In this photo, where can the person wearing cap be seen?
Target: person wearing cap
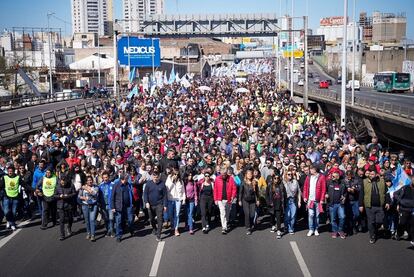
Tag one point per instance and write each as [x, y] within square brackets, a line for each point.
[64, 194]
[353, 186]
[372, 199]
[156, 201]
[46, 188]
[314, 191]
[104, 200]
[122, 206]
[225, 193]
[10, 191]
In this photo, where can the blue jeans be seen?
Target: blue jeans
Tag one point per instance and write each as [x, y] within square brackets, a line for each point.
[174, 207]
[313, 216]
[334, 211]
[190, 212]
[10, 208]
[352, 214]
[391, 220]
[109, 219]
[120, 217]
[89, 213]
[290, 214]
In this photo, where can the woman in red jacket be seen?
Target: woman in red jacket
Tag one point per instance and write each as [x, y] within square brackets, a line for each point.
[225, 192]
[314, 191]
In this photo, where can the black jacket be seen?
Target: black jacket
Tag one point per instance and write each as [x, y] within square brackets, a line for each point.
[271, 191]
[331, 190]
[247, 193]
[67, 201]
[405, 198]
[117, 199]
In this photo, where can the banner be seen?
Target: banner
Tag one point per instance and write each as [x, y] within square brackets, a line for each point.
[139, 52]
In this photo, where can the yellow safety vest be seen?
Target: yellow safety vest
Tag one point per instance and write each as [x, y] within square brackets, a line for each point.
[12, 186]
[48, 186]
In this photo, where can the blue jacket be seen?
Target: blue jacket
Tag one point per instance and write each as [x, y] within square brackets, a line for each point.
[37, 175]
[105, 194]
[117, 200]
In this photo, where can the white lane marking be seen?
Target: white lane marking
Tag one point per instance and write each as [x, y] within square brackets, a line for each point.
[157, 259]
[5, 240]
[299, 258]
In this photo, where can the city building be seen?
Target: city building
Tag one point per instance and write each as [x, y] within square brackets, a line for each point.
[366, 24]
[333, 30]
[388, 27]
[135, 11]
[92, 16]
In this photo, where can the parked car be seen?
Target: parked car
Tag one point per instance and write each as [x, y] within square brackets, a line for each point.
[301, 83]
[310, 61]
[316, 80]
[329, 82]
[323, 84]
[356, 85]
[310, 75]
[339, 80]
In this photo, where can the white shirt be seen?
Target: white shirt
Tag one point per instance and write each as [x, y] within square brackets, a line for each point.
[312, 187]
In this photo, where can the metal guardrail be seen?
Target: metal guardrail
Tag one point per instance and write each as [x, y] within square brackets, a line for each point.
[376, 105]
[26, 101]
[18, 128]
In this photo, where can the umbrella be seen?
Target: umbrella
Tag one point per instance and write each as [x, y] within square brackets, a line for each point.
[204, 88]
[242, 90]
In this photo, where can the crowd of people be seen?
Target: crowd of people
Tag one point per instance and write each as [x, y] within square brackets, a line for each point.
[179, 156]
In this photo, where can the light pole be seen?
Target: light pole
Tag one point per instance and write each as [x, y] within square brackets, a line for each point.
[344, 44]
[292, 45]
[115, 63]
[305, 94]
[99, 61]
[50, 54]
[188, 59]
[353, 56]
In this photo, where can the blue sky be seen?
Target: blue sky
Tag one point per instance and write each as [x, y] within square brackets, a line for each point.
[29, 13]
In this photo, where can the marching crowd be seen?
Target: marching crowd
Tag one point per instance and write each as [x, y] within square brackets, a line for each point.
[191, 154]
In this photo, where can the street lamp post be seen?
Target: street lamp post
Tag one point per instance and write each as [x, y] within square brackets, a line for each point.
[50, 54]
[344, 62]
[305, 94]
[99, 61]
[353, 57]
[188, 59]
[292, 46]
[115, 63]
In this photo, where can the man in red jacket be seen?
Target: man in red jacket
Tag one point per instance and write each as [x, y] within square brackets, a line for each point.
[314, 191]
[225, 192]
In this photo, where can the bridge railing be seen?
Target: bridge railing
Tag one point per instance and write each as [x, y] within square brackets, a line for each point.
[9, 103]
[373, 104]
[16, 129]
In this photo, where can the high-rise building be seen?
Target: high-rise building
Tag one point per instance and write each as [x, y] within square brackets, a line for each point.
[136, 10]
[366, 23]
[92, 16]
[388, 27]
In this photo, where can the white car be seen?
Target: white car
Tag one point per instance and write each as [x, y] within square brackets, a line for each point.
[356, 85]
[301, 83]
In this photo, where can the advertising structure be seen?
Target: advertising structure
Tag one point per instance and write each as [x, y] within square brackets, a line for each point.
[332, 21]
[139, 52]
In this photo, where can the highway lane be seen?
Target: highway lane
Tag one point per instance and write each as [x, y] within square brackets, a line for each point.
[33, 252]
[12, 115]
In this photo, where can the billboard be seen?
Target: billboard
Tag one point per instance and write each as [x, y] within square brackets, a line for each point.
[139, 52]
[297, 54]
[332, 21]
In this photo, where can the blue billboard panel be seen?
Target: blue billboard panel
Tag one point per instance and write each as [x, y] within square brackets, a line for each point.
[139, 52]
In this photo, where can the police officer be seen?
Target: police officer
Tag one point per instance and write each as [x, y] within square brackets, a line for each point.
[10, 192]
[46, 188]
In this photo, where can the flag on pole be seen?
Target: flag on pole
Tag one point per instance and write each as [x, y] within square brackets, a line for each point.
[132, 74]
[177, 77]
[165, 78]
[172, 76]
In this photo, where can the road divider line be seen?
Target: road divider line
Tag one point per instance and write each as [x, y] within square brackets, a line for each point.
[299, 258]
[5, 240]
[157, 259]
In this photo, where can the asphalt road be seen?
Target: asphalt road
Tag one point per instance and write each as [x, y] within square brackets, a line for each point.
[403, 99]
[12, 115]
[33, 252]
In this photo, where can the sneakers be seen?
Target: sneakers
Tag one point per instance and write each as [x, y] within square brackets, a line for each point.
[316, 233]
[207, 228]
[112, 234]
[68, 232]
[158, 239]
[278, 234]
[334, 235]
[62, 238]
[372, 240]
[291, 233]
[224, 232]
[204, 230]
[176, 233]
[191, 232]
[93, 239]
[273, 229]
[13, 228]
[88, 236]
[310, 233]
[342, 235]
[412, 243]
[8, 225]
[249, 232]
[118, 239]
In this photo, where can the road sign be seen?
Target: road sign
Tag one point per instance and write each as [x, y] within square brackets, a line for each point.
[139, 52]
[297, 54]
